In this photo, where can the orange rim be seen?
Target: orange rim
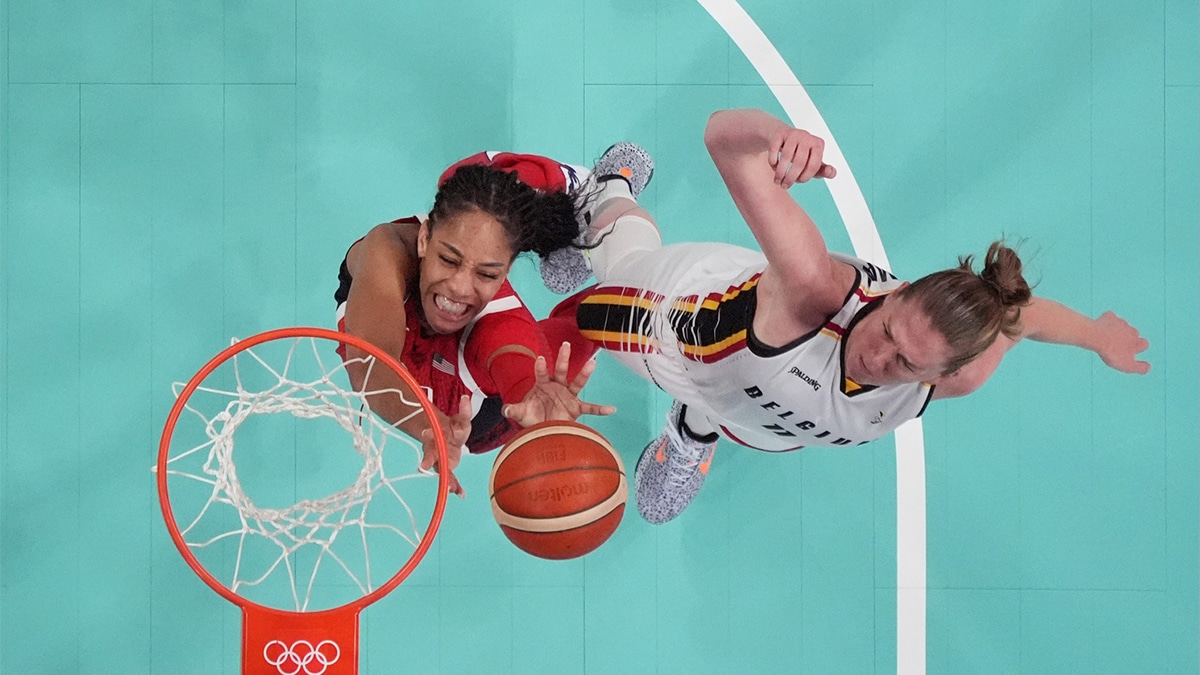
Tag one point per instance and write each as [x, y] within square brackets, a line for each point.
[301, 332]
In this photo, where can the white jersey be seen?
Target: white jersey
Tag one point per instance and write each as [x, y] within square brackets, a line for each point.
[686, 324]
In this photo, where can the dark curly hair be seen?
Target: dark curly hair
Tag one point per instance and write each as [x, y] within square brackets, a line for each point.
[971, 309]
[533, 220]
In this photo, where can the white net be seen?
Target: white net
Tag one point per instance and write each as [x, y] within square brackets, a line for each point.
[325, 478]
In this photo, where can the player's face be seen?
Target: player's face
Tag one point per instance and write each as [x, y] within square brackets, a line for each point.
[464, 260]
[894, 344]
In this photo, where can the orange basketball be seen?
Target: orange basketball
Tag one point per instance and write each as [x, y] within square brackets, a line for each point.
[558, 490]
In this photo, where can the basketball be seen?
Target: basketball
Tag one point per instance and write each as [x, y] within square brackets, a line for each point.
[558, 490]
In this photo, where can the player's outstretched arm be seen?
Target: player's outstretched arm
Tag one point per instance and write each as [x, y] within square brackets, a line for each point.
[1112, 339]
[759, 156]
[375, 312]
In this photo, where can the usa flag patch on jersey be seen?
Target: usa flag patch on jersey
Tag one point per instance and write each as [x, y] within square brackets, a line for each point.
[442, 364]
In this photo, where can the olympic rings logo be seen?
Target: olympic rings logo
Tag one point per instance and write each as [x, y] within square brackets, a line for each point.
[301, 655]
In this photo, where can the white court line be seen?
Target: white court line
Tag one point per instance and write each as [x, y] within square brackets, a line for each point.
[910, 437]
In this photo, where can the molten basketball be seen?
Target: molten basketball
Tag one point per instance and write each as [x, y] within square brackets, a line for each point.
[558, 490]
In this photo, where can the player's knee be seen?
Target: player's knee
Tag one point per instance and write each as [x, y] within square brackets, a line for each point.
[627, 237]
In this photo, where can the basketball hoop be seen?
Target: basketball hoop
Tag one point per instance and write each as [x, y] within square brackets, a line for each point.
[308, 552]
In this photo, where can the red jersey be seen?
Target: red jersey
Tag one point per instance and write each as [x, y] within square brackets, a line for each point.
[450, 365]
[454, 364]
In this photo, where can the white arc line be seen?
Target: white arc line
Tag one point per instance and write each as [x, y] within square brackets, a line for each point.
[910, 437]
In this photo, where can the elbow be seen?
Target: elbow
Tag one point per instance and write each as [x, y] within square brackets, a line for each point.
[716, 129]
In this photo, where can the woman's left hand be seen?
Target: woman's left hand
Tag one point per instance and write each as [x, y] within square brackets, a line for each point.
[1118, 344]
[556, 398]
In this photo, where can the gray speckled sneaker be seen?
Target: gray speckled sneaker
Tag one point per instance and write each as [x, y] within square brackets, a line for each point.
[568, 268]
[565, 270]
[628, 161]
[671, 470]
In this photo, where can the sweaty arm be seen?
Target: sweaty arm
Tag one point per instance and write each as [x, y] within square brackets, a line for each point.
[759, 156]
[381, 265]
[1112, 339]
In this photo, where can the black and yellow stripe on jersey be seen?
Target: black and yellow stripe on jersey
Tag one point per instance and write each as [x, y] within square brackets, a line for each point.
[619, 318]
[708, 328]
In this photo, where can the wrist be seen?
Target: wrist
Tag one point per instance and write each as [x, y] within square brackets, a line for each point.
[514, 375]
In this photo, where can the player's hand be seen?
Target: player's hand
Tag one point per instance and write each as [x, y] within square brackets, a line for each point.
[556, 398]
[1119, 343]
[796, 156]
[456, 429]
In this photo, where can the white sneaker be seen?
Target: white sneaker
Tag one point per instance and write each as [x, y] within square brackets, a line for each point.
[568, 268]
[671, 470]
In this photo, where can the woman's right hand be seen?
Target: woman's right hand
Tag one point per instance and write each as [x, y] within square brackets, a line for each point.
[456, 429]
[557, 397]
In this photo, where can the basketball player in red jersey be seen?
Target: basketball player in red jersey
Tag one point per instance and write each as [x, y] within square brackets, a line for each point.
[432, 290]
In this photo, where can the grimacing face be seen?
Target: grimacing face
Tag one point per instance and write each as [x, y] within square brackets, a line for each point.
[895, 344]
[464, 260]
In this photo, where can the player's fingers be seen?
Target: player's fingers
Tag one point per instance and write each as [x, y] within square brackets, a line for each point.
[809, 156]
[827, 171]
[786, 159]
[562, 363]
[775, 150]
[540, 372]
[464, 411]
[517, 412]
[456, 428]
[1128, 364]
[795, 171]
[801, 167]
[429, 453]
[456, 487]
[582, 377]
[812, 165]
[453, 486]
[596, 409]
[781, 171]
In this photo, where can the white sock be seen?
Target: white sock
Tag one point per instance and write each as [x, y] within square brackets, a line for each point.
[697, 428]
[613, 188]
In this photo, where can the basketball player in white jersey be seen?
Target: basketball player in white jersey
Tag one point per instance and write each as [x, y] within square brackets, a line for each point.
[793, 346]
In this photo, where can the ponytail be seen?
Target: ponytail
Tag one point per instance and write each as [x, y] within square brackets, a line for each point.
[1002, 275]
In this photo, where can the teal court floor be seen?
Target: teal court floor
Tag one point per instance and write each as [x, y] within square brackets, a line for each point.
[179, 172]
